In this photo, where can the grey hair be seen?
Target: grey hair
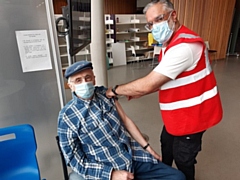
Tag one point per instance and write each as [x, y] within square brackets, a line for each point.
[69, 80]
[167, 4]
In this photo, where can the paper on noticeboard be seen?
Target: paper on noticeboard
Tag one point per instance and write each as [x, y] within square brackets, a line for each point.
[34, 51]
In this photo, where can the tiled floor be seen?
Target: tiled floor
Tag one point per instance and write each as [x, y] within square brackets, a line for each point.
[220, 155]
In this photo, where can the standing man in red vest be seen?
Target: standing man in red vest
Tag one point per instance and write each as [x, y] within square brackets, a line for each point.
[188, 94]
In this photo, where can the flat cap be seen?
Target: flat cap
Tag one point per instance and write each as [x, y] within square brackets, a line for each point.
[77, 67]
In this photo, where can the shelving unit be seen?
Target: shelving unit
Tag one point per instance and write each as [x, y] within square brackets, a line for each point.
[130, 30]
[109, 31]
[124, 28]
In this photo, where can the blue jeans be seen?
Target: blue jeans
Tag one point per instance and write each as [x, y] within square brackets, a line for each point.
[148, 171]
[75, 176]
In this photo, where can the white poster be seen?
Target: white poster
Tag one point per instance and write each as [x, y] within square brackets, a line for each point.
[34, 50]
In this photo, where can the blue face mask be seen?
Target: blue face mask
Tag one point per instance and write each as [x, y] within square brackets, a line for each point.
[161, 32]
[85, 90]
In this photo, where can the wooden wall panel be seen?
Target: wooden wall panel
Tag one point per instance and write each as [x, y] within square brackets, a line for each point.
[197, 12]
[57, 6]
[216, 15]
[226, 26]
[211, 19]
[120, 7]
[181, 10]
[219, 27]
[189, 11]
[207, 19]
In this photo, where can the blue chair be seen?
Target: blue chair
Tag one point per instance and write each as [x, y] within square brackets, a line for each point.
[18, 159]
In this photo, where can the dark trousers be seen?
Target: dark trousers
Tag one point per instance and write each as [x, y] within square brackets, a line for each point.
[183, 150]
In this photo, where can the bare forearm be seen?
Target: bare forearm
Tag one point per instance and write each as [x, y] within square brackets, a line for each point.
[134, 88]
[137, 135]
[135, 132]
[140, 87]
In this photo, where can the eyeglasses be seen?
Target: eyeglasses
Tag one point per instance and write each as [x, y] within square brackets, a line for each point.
[157, 19]
[79, 80]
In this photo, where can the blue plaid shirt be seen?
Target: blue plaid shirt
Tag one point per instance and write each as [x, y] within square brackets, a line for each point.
[94, 140]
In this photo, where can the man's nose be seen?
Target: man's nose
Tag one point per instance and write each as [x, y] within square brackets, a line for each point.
[84, 80]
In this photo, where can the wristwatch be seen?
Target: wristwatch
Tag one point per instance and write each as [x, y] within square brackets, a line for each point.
[114, 90]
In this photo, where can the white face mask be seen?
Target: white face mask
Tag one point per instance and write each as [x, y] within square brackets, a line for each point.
[85, 90]
[161, 31]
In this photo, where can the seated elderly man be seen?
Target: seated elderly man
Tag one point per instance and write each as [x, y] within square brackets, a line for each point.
[97, 138]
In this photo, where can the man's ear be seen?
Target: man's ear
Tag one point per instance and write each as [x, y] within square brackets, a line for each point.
[70, 86]
[174, 14]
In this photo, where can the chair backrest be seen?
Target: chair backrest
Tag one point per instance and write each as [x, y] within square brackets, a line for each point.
[207, 44]
[18, 159]
[64, 165]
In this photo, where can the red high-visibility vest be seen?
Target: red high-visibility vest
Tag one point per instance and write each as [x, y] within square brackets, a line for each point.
[190, 103]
